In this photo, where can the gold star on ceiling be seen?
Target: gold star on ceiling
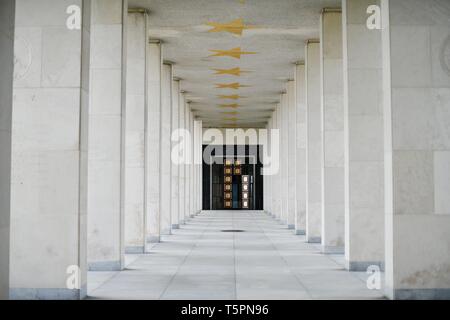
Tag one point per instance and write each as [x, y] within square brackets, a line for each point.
[235, 27]
[231, 97]
[233, 72]
[235, 86]
[234, 53]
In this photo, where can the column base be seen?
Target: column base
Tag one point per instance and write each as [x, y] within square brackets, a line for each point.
[333, 250]
[153, 239]
[105, 266]
[300, 232]
[419, 294]
[166, 232]
[175, 226]
[291, 226]
[47, 294]
[134, 249]
[314, 239]
[362, 266]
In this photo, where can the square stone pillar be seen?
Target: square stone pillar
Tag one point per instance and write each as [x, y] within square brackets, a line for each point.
[279, 177]
[135, 134]
[268, 187]
[284, 158]
[166, 150]
[314, 143]
[188, 190]
[153, 143]
[195, 166]
[7, 21]
[270, 178]
[175, 188]
[300, 181]
[291, 154]
[106, 132]
[192, 165]
[198, 165]
[363, 123]
[274, 177]
[49, 137]
[416, 86]
[333, 227]
[182, 184]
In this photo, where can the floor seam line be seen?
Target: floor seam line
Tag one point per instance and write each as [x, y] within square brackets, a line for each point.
[184, 260]
[285, 262]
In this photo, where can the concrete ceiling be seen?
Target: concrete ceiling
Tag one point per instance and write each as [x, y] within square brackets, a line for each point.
[274, 33]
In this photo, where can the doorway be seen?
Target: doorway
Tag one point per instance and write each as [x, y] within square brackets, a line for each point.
[232, 179]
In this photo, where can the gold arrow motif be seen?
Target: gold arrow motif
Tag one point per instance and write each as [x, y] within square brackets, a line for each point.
[235, 86]
[234, 53]
[235, 27]
[231, 97]
[233, 105]
[233, 72]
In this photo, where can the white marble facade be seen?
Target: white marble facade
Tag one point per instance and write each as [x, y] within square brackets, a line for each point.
[314, 143]
[135, 134]
[87, 117]
[105, 135]
[7, 14]
[48, 230]
[332, 130]
[416, 83]
[364, 150]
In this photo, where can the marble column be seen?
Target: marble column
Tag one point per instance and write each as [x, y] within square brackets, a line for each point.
[153, 143]
[106, 110]
[175, 187]
[182, 185]
[188, 190]
[274, 176]
[192, 166]
[135, 134]
[284, 159]
[333, 194]
[313, 143]
[300, 145]
[279, 184]
[363, 123]
[198, 165]
[291, 154]
[166, 150]
[7, 21]
[268, 178]
[49, 127]
[416, 87]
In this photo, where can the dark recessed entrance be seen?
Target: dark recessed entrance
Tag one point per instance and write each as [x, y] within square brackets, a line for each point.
[232, 179]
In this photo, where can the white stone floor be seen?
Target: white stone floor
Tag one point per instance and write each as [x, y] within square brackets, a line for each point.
[200, 262]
